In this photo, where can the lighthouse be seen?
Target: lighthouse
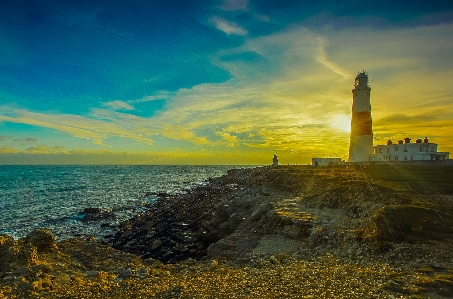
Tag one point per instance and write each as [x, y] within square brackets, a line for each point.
[361, 138]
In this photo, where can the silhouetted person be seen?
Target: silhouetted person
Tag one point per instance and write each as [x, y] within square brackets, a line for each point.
[275, 161]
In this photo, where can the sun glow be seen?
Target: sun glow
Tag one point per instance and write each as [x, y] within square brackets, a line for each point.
[341, 122]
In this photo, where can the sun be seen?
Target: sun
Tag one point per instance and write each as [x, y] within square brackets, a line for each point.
[341, 122]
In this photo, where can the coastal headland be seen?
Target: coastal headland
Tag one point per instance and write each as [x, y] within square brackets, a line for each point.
[349, 231]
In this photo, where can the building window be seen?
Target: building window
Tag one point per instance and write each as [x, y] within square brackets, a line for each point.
[405, 158]
[396, 158]
[405, 148]
[388, 150]
[396, 148]
[432, 149]
[412, 158]
[420, 148]
[380, 149]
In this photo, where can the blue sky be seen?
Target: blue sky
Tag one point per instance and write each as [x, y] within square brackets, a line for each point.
[217, 82]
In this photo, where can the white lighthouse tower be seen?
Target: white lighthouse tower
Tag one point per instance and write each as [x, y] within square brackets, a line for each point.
[361, 138]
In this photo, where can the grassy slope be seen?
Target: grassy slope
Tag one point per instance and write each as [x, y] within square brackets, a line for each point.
[407, 202]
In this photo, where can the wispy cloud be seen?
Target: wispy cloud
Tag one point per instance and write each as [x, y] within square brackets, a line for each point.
[78, 126]
[30, 139]
[322, 58]
[161, 94]
[118, 105]
[181, 133]
[232, 140]
[227, 26]
[41, 149]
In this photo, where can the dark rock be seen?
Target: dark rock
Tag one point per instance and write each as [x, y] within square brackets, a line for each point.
[89, 211]
[28, 255]
[142, 272]
[95, 214]
[23, 284]
[167, 255]
[262, 210]
[43, 239]
[235, 220]
[125, 273]
[7, 252]
[157, 244]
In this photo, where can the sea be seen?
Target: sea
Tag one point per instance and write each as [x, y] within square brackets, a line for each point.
[54, 197]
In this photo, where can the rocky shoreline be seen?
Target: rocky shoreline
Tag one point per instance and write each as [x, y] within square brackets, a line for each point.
[390, 228]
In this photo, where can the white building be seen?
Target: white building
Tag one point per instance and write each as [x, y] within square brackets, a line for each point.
[407, 151]
[325, 161]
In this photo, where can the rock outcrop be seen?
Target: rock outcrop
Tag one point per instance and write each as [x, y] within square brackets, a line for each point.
[14, 255]
[95, 214]
[42, 239]
[183, 227]
[334, 208]
[7, 252]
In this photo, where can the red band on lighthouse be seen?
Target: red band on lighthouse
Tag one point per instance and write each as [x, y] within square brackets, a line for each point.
[361, 124]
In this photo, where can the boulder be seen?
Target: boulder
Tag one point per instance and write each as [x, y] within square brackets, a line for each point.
[7, 252]
[125, 273]
[43, 239]
[317, 236]
[27, 256]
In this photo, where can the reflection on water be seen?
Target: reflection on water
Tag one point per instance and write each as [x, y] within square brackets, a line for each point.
[53, 196]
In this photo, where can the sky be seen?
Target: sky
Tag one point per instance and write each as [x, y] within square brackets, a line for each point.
[217, 82]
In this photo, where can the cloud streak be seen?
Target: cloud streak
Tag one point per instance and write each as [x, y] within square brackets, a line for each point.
[227, 27]
[118, 105]
[78, 126]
